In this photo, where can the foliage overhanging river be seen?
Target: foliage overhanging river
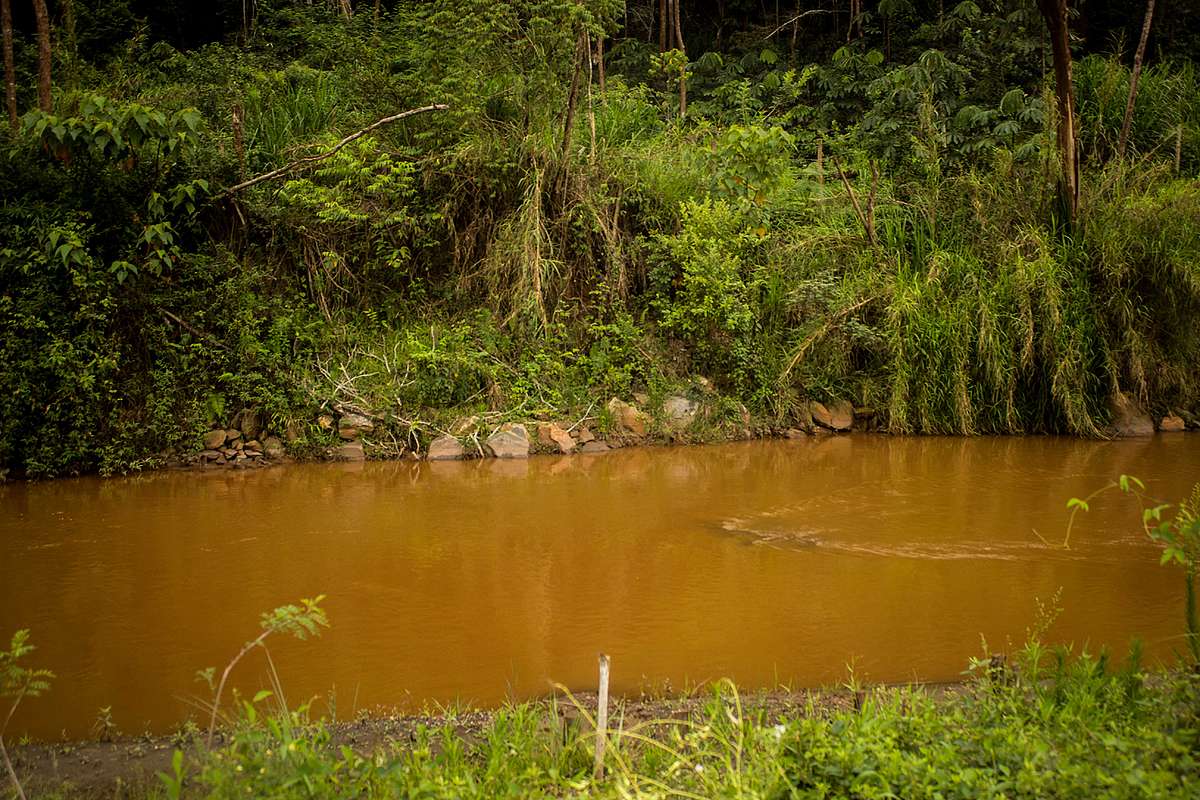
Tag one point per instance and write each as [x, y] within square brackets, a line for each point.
[768, 562]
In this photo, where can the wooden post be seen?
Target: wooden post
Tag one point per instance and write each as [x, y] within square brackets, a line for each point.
[602, 717]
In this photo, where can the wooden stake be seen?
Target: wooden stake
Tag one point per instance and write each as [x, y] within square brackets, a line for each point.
[602, 717]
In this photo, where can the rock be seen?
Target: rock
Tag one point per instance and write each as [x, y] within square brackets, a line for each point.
[249, 422]
[641, 398]
[838, 418]
[350, 451]
[232, 435]
[214, 439]
[511, 441]
[585, 435]
[794, 433]
[628, 418]
[464, 425]
[351, 426]
[680, 410]
[273, 447]
[238, 445]
[554, 436]
[591, 448]
[1128, 418]
[254, 444]
[445, 448]
[1171, 424]
[210, 454]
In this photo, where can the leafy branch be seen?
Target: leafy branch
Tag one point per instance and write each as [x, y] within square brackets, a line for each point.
[300, 621]
[18, 682]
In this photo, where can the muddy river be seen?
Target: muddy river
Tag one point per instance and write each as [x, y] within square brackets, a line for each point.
[773, 563]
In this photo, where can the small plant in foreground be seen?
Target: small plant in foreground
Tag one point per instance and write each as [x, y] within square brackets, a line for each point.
[1178, 534]
[16, 683]
[300, 621]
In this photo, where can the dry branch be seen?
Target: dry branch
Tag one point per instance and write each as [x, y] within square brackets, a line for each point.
[301, 162]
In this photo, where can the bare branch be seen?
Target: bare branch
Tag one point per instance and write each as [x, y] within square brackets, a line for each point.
[300, 162]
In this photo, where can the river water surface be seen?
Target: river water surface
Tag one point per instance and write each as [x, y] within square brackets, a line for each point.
[773, 563]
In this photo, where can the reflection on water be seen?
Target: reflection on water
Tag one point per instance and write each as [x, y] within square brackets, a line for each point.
[770, 562]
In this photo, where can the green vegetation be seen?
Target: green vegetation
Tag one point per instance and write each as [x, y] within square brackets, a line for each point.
[818, 208]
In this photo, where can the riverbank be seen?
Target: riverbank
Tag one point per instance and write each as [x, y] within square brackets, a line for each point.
[698, 415]
[1075, 730]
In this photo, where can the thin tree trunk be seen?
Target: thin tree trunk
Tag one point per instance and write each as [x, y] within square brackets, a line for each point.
[682, 49]
[663, 26]
[1055, 14]
[10, 77]
[600, 61]
[569, 117]
[45, 99]
[1133, 79]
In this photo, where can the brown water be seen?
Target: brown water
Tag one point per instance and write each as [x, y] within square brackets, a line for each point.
[482, 581]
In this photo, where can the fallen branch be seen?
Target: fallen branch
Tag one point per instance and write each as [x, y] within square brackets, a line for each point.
[199, 334]
[867, 224]
[300, 162]
[821, 331]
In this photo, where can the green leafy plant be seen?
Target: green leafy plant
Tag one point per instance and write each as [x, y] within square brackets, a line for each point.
[1178, 533]
[299, 621]
[18, 682]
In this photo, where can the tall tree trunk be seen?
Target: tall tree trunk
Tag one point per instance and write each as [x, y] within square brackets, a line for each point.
[10, 77]
[600, 60]
[663, 25]
[1055, 14]
[45, 100]
[682, 49]
[1133, 79]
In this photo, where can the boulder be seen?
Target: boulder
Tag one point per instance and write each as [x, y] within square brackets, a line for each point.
[553, 435]
[794, 433]
[680, 410]
[585, 435]
[272, 447]
[445, 448]
[840, 417]
[210, 454]
[214, 439]
[627, 418]
[592, 448]
[249, 422]
[511, 441]
[350, 451]
[232, 435]
[1171, 424]
[351, 426]
[1128, 418]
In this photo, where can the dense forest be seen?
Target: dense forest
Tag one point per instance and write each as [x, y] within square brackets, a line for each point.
[955, 214]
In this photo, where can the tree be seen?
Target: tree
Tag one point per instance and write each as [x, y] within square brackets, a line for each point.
[1133, 79]
[1056, 14]
[10, 77]
[45, 101]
